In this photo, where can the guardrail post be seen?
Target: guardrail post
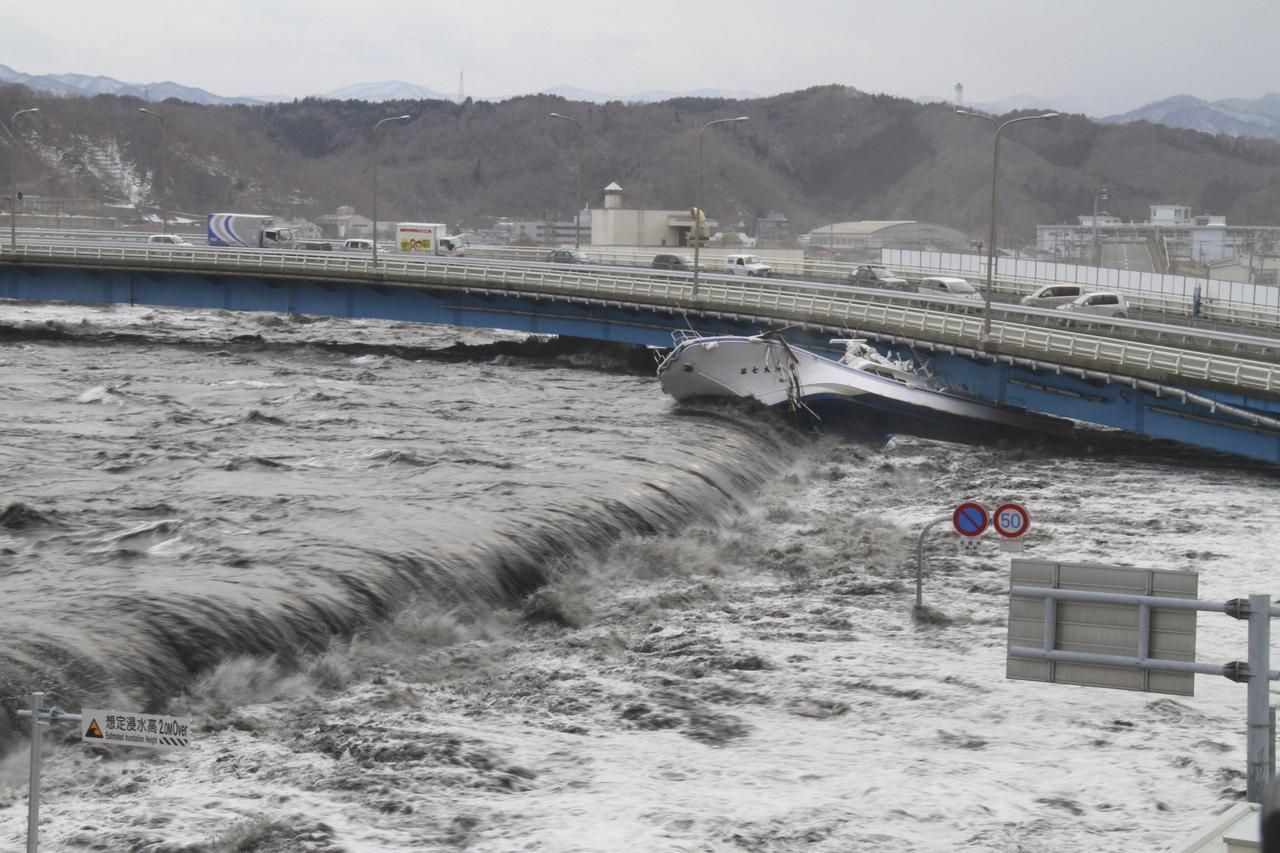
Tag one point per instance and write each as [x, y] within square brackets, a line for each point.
[1260, 739]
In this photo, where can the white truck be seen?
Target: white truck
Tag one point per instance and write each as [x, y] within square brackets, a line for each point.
[429, 238]
[247, 230]
[745, 265]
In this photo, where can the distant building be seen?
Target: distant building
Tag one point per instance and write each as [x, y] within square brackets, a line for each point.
[773, 231]
[548, 232]
[1171, 233]
[344, 223]
[613, 225]
[873, 235]
[1252, 268]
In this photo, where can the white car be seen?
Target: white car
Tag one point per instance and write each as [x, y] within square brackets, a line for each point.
[745, 265]
[1053, 295]
[166, 240]
[1103, 303]
[945, 285]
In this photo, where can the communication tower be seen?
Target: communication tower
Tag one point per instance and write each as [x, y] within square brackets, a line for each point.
[461, 96]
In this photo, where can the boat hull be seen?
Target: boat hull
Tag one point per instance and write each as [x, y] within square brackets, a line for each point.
[837, 395]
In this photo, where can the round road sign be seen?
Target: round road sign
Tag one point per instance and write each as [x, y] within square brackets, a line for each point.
[969, 519]
[1011, 520]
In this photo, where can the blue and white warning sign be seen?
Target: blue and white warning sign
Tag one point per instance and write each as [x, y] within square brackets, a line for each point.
[969, 519]
[125, 728]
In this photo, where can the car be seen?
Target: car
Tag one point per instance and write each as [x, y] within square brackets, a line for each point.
[567, 256]
[1102, 303]
[873, 275]
[945, 285]
[748, 265]
[166, 240]
[316, 246]
[1053, 295]
[672, 262]
[357, 244]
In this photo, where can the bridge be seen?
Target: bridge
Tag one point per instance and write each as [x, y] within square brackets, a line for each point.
[1203, 387]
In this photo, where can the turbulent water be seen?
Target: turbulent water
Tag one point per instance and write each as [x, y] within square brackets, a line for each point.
[424, 588]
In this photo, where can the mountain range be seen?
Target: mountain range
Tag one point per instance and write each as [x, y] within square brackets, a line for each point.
[387, 90]
[817, 156]
[1233, 116]
[1257, 117]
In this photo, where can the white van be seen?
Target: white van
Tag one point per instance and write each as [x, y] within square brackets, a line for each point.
[942, 285]
[1053, 295]
[357, 244]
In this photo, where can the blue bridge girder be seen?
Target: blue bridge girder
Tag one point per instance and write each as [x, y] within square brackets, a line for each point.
[1215, 401]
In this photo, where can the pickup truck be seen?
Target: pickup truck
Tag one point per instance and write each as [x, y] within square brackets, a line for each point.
[745, 265]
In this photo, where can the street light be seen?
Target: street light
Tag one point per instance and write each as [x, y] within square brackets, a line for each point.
[577, 211]
[13, 178]
[375, 182]
[995, 171]
[697, 198]
[164, 146]
[1101, 193]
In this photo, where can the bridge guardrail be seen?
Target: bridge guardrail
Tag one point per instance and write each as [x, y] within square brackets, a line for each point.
[845, 308]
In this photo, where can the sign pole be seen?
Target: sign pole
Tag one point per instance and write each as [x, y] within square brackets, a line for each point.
[920, 559]
[33, 794]
[1259, 738]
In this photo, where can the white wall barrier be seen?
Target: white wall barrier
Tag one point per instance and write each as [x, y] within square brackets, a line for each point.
[1130, 281]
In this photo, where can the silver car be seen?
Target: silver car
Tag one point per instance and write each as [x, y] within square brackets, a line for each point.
[1053, 295]
[1103, 303]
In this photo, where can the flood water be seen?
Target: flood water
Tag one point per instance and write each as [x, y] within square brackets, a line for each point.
[425, 588]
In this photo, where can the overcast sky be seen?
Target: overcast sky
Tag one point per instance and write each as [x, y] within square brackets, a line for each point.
[1100, 56]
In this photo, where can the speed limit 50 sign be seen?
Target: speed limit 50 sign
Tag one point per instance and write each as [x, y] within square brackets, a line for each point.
[1010, 520]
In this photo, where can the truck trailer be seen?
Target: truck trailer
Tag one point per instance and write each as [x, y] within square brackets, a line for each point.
[428, 238]
[248, 230]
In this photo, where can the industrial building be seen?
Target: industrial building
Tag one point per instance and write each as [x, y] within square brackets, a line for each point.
[614, 225]
[870, 236]
[1173, 239]
[551, 232]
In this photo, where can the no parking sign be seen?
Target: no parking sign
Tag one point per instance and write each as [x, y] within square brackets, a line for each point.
[970, 519]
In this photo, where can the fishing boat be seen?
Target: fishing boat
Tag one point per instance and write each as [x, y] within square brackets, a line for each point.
[863, 392]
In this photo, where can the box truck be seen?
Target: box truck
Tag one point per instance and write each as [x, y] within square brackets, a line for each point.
[249, 230]
[429, 238]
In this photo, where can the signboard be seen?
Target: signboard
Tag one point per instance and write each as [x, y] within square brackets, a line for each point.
[1010, 520]
[1102, 628]
[969, 519]
[125, 728]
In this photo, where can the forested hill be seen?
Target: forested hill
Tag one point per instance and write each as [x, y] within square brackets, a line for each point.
[825, 154]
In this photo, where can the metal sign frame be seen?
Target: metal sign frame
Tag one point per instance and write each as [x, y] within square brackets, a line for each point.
[1098, 619]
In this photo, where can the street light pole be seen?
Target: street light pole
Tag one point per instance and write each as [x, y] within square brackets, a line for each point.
[577, 211]
[375, 182]
[697, 199]
[1097, 248]
[164, 147]
[995, 171]
[13, 177]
